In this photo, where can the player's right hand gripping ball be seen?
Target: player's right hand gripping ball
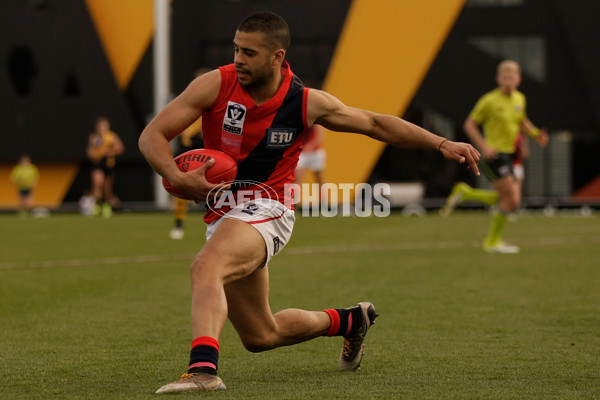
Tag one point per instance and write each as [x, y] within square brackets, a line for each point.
[223, 170]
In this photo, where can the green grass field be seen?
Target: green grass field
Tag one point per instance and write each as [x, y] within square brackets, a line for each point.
[99, 309]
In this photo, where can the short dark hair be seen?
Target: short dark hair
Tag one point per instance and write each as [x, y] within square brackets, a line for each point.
[272, 25]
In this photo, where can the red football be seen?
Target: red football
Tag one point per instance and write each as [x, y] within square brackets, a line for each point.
[224, 169]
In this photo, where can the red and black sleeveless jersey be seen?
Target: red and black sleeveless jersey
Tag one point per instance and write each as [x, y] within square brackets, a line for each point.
[265, 140]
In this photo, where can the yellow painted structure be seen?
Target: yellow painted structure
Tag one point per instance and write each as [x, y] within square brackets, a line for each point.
[54, 182]
[383, 53]
[125, 28]
[382, 56]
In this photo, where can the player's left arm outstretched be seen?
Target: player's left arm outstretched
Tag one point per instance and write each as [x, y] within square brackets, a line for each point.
[325, 109]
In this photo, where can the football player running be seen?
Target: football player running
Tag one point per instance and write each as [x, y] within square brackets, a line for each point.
[244, 107]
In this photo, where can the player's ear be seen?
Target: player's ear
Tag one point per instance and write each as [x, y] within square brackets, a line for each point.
[278, 57]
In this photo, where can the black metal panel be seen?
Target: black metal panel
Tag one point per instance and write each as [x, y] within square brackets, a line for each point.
[569, 98]
[203, 34]
[55, 78]
[55, 81]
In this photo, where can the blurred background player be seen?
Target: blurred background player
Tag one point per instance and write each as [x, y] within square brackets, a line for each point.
[521, 154]
[502, 114]
[103, 148]
[462, 191]
[190, 139]
[313, 156]
[25, 177]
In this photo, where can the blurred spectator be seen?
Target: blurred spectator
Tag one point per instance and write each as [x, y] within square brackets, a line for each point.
[25, 177]
[103, 148]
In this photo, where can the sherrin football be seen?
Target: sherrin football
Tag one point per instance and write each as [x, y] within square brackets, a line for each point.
[223, 170]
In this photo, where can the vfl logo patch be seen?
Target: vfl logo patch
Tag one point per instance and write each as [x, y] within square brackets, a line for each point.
[275, 245]
[233, 122]
[280, 138]
[250, 209]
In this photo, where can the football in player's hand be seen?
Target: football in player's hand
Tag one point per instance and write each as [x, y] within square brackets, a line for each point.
[223, 170]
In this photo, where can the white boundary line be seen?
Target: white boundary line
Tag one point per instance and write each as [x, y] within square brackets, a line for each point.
[361, 247]
[96, 261]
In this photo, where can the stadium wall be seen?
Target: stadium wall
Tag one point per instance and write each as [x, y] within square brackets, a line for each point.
[65, 62]
[565, 99]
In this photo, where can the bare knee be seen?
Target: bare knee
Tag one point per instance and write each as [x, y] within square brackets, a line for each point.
[289, 326]
[202, 272]
[516, 203]
[259, 340]
[512, 203]
[258, 344]
[509, 202]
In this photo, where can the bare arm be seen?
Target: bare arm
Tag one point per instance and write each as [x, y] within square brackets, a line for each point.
[326, 110]
[118, 147]
[540, 135]
[172, 121]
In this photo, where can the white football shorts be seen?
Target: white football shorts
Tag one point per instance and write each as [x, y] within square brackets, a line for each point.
[269, 217]
[312, 160]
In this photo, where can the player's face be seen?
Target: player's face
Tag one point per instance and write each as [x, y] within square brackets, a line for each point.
[508, 81]
[252, 59]
[102, 126]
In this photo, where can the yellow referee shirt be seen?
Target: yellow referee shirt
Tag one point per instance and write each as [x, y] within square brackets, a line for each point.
[24, 176]
[501, 117]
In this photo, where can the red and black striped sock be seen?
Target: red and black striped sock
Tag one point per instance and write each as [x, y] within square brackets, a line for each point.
[204, 356]
[341, 321]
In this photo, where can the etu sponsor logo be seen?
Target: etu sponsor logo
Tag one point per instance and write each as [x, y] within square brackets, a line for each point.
[280, 138]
